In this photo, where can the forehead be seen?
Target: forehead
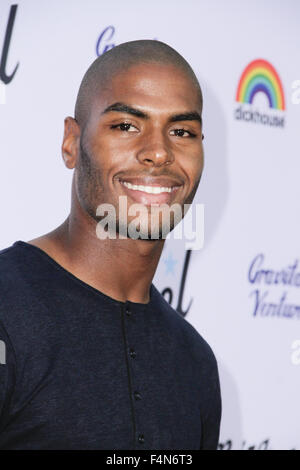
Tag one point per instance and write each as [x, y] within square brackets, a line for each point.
[152, 86]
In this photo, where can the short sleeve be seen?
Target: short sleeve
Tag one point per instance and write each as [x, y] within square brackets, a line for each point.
[212, 412]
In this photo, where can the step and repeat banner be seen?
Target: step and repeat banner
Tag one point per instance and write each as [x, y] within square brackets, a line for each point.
[241, 289]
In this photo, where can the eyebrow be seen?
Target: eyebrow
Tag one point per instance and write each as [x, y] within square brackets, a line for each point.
[124, 108]
[193, 116]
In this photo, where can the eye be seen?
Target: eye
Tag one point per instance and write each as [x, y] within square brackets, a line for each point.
[125, 127]
[182, 133]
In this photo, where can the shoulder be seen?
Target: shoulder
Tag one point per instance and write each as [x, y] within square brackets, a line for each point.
[9, 267]
[20, 278]
[16, 265]
[182, 331]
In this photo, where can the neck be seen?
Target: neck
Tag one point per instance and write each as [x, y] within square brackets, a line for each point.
[120, 268]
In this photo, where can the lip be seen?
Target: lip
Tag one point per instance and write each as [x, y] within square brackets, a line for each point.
[148, 199]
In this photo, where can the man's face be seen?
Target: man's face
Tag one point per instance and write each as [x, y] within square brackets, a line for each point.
[143, 141]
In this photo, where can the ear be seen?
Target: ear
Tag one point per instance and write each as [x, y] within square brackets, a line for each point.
[70, 145]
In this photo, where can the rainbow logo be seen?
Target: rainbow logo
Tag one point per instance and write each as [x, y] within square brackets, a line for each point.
[260, 76]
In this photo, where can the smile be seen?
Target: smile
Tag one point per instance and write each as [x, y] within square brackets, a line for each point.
[147, 189]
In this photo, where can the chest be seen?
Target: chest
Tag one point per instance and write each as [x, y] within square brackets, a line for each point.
[122, 388]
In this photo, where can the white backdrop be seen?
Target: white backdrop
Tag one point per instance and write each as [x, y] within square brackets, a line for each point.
[250, 185]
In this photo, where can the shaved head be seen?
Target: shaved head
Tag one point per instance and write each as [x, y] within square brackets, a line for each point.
[138, 120]
[121, 58]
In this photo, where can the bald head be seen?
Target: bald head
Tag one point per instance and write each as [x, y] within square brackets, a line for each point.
[121, 58]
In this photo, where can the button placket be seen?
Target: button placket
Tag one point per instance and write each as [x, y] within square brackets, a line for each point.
[136, 394]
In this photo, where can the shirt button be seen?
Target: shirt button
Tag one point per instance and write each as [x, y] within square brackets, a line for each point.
[132, 353]
[141, 439]
[128, 311]
[137, 396]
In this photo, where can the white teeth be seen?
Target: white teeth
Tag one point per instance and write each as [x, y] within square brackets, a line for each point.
[147, 189]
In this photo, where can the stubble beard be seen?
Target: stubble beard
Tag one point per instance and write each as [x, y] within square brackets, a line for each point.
[89, 177]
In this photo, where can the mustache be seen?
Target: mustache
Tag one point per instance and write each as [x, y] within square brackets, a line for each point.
[88, 163]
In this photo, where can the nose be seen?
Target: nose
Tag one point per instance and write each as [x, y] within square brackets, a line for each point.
[155, 150]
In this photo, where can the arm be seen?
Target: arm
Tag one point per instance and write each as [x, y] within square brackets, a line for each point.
[212, 409]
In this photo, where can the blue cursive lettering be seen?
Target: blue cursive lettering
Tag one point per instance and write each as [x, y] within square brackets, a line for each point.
[103, 45]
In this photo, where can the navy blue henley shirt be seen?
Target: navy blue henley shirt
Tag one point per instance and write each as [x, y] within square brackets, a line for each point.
[81, 370]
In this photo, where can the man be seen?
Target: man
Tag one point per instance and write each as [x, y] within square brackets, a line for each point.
[95, 356]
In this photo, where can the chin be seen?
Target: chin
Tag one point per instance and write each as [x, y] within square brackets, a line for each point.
[148, 234]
